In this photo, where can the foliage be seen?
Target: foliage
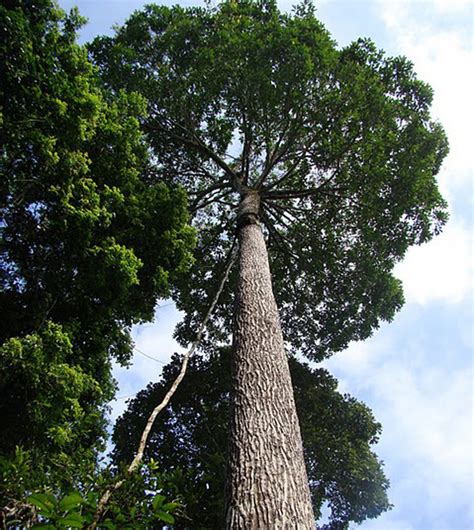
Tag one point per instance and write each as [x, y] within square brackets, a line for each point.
[338, 143]
[89, 239]
[49, 405]
[190, 441]
[209, 102]
[139, 504]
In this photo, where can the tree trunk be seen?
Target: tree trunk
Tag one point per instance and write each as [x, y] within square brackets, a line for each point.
[267, 484]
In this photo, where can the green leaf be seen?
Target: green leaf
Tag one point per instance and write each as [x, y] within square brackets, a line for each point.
[157, 502]
[170, 506]
[165, 517]
[72, 520]
[70, 501]
[44, 501]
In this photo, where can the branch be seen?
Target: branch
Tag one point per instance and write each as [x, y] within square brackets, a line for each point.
[286, 212]
[280, 242]
[139, 456]
[283, 239]
[290, 194]
[300, 194]
[151, 419]
[279, 152]
[244, 163]
[287, 174]
[193, 140]
[200, 170]
[281, 211]
[299, 156]
[202, 198]
[215, 198]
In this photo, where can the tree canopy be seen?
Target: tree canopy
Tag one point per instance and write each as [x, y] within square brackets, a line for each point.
[89, 237]
[190, 441]
[337, 143]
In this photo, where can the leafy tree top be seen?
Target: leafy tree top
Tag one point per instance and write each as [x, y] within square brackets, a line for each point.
[87, 239]
[337, 145]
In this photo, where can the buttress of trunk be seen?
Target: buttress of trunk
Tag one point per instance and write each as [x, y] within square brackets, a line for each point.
[267, 483]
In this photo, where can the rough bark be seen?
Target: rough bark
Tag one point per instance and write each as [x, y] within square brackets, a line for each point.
[267, 482]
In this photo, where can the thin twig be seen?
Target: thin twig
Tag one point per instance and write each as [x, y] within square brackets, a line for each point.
[151, 419]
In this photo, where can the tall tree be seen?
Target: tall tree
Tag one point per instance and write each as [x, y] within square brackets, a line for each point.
[326, 157]
[89, 238]
[189, 442]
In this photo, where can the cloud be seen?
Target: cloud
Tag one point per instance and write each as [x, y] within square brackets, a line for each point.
[449, 6]
[153, 340]
[428, 424]
[420, 388]
[440, 270]
[443, 56]
[387, 525]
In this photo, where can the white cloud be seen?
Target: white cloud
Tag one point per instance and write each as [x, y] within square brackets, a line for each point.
[426, 412]
[420, 393]
[155, 340]
[387, 524]
[443, 56]
[440, 270]
[429, 433]
[445, 62]
[447, 6]
[431, 417]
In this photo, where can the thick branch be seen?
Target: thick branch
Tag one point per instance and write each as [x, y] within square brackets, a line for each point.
[280, 242]
[299, 194]
[212, 194]
[287, 174]
[216, 198]
[282, 212]
[290, 194]
[279, 151]
[245, 162]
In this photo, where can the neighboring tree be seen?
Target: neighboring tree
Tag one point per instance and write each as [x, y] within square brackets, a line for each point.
[190, 442]
[327, 156]
[89, 240]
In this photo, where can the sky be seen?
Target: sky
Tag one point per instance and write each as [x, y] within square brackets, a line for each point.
[415, 373]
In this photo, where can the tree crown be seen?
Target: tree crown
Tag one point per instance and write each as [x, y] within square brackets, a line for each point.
[337, 143]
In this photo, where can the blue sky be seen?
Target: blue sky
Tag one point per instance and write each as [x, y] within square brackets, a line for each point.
[415, 373]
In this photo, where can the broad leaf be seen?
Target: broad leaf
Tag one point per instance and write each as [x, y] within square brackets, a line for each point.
[72, 520]
[70, 501]
[157, 501]
[44, 501]
[165, 517]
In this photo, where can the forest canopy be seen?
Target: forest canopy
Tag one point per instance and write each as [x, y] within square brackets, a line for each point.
[338, 143]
